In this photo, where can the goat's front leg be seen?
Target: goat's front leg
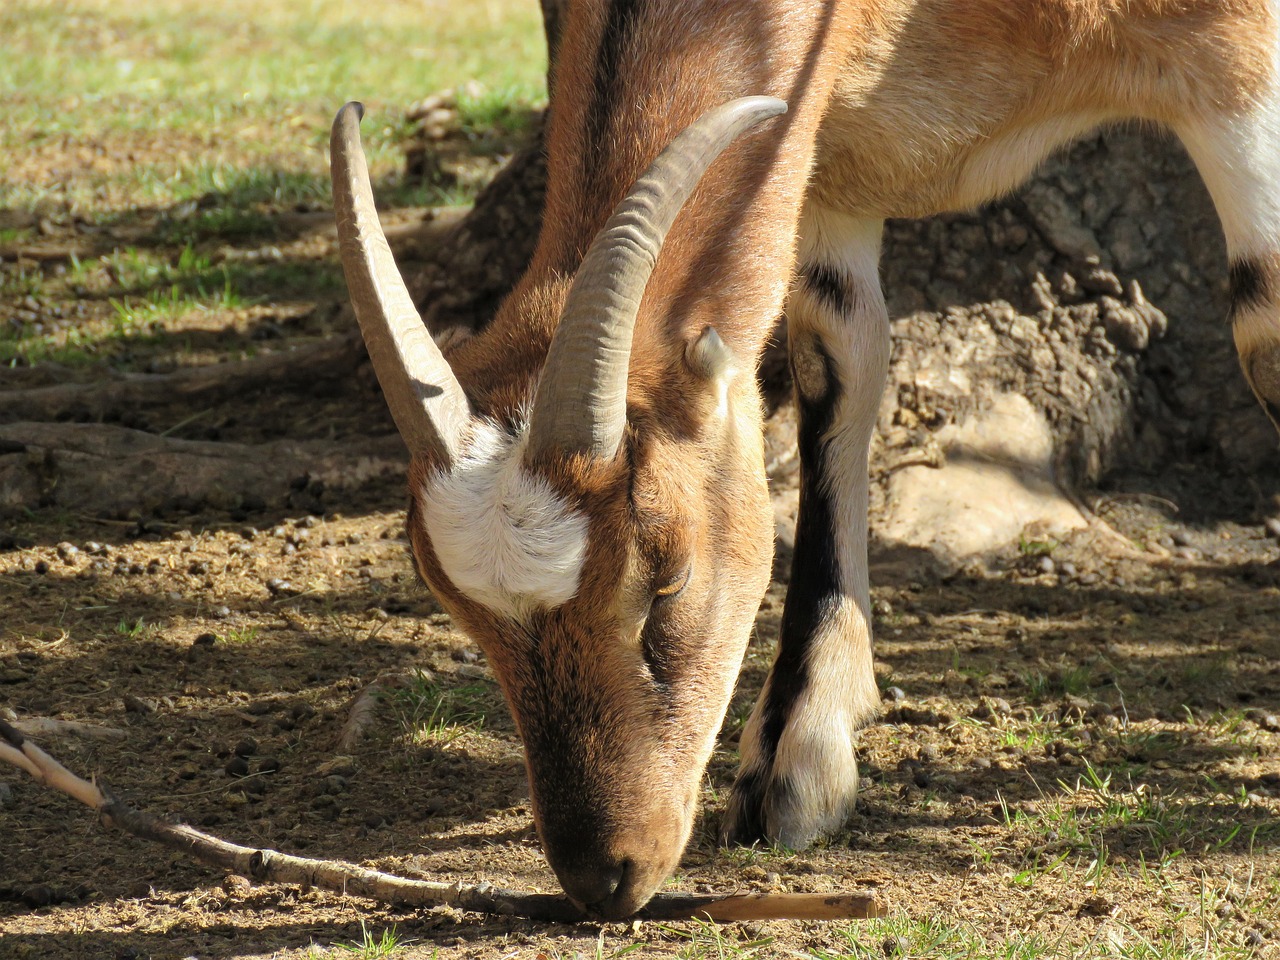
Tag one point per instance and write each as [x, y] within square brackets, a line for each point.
[799, 771]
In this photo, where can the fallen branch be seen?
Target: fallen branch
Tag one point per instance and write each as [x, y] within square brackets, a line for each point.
[51, 727]
[102, 468]
[270, 866]
[334, 357]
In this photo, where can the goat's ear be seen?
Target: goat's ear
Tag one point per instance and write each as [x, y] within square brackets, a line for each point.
[709, 358]
[712, 362]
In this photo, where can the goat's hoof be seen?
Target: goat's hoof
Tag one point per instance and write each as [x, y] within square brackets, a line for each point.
[791, 811]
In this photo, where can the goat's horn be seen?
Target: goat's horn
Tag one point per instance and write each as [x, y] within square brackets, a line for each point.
[427, 402]
[581, 403]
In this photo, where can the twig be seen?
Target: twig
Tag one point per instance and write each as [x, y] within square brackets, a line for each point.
[348, 878]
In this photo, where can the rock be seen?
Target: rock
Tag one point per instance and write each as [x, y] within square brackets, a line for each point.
[138, 705]
[342, 766]
[1272, 527]
[895, 695]
[991, 707]
[997, 479]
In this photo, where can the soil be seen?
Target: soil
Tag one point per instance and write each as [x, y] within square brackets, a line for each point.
[1079, 754]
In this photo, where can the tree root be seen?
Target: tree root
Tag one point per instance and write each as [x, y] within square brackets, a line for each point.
[102, 469]
[334, 357]
[270, 866]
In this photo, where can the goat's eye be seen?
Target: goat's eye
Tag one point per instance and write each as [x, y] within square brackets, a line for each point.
[673, 585]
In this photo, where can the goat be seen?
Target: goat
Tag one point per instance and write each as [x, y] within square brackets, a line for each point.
[588, 497]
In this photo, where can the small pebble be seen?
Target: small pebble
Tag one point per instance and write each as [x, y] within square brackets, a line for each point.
[288, 550]
[6, 794]
[1181, 538]
[1046, 565]
[1273, 527]
[95, 549]
[38, 895]
[41, 567]
[280, 587]
[334, 784]
[220, 612]
[895, 694]
[134, 704]
[1067, 569]
[199, 568]
[278, 532]
[237, 767]
[235, 886]
[68, 551]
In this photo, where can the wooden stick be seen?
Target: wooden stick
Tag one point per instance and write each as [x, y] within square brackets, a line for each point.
[349, 878]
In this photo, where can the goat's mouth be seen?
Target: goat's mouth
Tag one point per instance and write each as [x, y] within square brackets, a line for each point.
[612, 871]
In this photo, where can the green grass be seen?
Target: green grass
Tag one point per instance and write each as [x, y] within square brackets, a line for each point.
[370, 946]
[198, 92]
[430, 712]
[906, 937]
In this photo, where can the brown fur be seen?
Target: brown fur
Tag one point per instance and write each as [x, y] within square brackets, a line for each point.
[896, 108]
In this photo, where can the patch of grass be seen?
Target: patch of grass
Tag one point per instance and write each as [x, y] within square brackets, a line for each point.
[703, 940]
[1093, 817]
[432, 713]
[373, 947]
[239, 635]
[1076, 680]
[141, 90]
[1037, 547]
[136, 629]
[905, 937]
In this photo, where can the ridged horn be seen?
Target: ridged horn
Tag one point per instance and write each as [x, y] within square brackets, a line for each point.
[581, 402]
[427, 402]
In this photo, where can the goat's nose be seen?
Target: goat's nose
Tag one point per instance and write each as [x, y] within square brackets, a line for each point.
[593, 886]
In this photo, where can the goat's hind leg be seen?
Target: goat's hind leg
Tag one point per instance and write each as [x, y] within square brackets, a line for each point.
[1239, 157]
[799, 772]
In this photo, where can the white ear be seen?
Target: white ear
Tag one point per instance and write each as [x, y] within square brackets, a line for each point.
[710, 358]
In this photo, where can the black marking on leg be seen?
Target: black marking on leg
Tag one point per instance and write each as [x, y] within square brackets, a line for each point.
[1250, 287]
[815, 570]
[744, 820]
[831, 287]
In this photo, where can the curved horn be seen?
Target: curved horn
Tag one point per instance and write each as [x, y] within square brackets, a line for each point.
[426, 401]
[581, 403]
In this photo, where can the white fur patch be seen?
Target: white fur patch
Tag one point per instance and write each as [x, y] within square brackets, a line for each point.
[504, 537]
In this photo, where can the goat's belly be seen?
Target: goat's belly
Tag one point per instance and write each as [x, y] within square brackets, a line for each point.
[879, 174]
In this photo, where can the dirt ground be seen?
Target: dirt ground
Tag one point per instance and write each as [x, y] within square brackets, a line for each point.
[1080, 753]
